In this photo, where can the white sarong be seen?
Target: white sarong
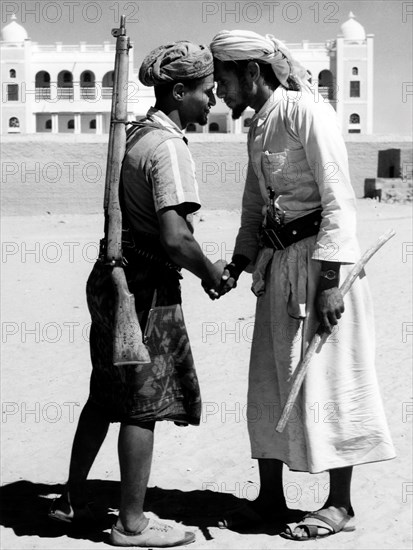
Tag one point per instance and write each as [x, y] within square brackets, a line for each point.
[338, 419]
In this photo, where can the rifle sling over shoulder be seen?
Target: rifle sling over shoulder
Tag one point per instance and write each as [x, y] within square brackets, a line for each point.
[139, 130]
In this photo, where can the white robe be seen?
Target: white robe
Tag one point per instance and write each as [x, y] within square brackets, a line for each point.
[295, 146]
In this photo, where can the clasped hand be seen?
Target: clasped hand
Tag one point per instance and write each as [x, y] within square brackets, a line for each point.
[222, 281]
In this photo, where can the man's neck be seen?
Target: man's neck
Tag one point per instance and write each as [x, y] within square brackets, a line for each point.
[261, 97]
[170, 112]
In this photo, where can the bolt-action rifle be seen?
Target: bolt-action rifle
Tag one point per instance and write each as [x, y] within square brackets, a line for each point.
[128, 348]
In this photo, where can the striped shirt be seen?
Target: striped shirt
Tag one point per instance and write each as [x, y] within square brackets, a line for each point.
[158, 172]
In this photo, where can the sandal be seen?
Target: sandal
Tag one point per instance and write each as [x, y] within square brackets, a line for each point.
[313, 521]
[155, 535]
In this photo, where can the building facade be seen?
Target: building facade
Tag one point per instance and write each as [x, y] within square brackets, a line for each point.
[62, 88]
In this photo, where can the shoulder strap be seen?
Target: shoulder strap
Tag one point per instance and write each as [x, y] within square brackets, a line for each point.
[138, 130]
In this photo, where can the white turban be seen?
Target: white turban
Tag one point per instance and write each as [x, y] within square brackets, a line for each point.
[248, 45]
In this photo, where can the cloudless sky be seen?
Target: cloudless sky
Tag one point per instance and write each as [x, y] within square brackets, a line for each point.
[154, 22]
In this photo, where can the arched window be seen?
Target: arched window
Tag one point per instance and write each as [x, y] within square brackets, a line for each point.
[107, 85]
[65, 85]
[71, 124]
[247, 122]
[92, 124]
[14, 122]
[107, 81]
[42, 79]
[87, 85]
[325, 78]
[87, 79]
[354, 71]
[48, 124]
[214, 127]
[325, 84]
[354, 118]
[12, 73]
[42, 83]
[191, 127]
[65, 79]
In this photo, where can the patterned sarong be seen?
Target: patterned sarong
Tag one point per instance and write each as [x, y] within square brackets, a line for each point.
[165, 389]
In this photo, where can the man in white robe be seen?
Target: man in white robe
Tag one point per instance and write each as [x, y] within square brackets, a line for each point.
[298, 186]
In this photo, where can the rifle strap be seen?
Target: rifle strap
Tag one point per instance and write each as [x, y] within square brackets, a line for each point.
[140, 130]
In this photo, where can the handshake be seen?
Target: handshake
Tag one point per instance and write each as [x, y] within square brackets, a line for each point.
[223, 278]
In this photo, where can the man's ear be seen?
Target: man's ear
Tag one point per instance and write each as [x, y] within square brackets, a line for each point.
[253, 71]
[178, 91]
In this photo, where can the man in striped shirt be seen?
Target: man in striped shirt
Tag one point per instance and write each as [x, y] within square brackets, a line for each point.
[159, 194]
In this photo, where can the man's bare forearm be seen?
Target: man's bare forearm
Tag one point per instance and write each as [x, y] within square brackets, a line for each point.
[185, 251]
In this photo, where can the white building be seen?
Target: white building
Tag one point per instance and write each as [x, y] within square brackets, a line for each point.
[67, 88]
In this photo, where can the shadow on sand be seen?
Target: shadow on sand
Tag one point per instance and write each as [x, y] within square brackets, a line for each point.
[24, 506]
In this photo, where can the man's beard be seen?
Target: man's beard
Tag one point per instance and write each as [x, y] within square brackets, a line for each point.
[238, 110]
[245, 94]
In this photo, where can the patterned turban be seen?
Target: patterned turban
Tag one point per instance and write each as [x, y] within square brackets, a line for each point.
[248, 45]
[179, 61]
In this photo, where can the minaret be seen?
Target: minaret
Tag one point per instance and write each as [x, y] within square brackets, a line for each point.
[16, 105]
[355, 78]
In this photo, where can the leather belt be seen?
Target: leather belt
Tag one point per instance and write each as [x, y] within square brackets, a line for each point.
[280, 236]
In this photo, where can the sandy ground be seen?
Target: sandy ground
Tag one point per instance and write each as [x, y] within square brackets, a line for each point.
[197, 472]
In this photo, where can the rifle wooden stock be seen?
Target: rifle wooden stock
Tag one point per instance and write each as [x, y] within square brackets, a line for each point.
[128, 348]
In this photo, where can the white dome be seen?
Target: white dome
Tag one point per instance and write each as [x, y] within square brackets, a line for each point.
[352, 30]
[13, 32]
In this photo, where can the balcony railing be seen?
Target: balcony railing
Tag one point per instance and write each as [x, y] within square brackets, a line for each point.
[107, 93]
[88, 93]
[42, 93]
[65, 93]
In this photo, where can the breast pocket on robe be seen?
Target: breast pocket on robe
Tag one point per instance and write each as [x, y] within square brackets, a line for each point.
[286, 170]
